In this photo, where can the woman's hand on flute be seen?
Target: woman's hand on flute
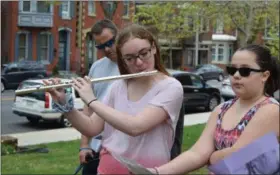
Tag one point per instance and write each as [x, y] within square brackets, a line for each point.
[58, 94]
[84, 87]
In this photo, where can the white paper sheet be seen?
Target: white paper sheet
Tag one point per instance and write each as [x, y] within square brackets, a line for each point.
[132, 166]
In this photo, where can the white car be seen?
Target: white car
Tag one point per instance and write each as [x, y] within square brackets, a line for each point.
[37, 106]
[226, 90]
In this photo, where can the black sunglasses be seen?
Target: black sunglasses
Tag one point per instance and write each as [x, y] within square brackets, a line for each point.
[243, 71]
[106, 44]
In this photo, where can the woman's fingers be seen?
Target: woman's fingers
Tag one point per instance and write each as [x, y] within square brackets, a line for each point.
[76, 83]
[87, 79]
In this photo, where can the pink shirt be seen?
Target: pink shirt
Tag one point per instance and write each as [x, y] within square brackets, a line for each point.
[153, 147]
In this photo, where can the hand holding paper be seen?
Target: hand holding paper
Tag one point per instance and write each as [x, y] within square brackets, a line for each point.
[259, 157]
[132, 166]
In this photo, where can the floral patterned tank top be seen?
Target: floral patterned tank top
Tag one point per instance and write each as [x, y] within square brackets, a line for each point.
[226, 138]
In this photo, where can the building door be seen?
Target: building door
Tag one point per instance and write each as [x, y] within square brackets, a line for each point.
[62, 50]
[91, 55]
[202, 57]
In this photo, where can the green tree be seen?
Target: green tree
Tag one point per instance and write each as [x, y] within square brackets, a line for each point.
[248, 17]
[169, 20]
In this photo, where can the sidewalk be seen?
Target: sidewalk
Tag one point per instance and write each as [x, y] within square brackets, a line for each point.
[68, 134]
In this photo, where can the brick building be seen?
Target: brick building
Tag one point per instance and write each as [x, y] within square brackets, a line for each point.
[56, 33]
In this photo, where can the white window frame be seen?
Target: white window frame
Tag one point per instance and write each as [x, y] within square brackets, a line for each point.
[91, 8]
[226, 46]
[25, 47]
[126, 5]
[48, 45]
[65, 14]
[219, 29]
[43, 12]
[204, 21]
[33, 7]
[21, 7]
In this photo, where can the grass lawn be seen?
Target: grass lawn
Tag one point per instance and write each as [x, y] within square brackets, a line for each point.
[63, 157]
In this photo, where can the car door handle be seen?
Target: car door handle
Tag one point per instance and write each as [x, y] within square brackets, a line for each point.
[196, 90]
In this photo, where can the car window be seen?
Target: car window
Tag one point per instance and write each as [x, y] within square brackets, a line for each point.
[196, 81]
[11, 70]
[184, 80]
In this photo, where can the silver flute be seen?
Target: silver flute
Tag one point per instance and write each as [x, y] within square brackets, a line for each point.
[94, 80]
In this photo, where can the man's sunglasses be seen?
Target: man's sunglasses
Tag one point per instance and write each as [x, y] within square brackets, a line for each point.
[106, 44]
[243, 71]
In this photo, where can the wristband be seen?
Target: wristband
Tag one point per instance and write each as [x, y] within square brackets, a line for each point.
[91, 101]
[84, 149]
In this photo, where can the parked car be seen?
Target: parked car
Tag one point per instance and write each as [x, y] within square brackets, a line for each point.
[37, 106]
[196, 92]
[14, 73]
[227, 92]
[209, 72]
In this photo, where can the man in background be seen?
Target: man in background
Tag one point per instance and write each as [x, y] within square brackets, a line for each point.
[104, 33]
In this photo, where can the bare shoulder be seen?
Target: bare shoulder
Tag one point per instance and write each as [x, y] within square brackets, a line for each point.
[268, 111]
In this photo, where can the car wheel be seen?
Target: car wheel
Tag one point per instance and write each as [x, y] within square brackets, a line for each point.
[212, 103]
[64, 122]
[221, 77]
[32, 120]
[2, 86]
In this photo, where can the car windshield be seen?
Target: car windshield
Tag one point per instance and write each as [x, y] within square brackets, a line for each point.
[40, 95]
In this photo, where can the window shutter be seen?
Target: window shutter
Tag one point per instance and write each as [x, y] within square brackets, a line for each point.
[29, 37]
[16, 46]
[51, 43]
[72, 9]
[38, 47]
[60, 9]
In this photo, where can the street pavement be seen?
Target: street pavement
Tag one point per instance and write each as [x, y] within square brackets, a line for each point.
[12, 123]
[68, 134]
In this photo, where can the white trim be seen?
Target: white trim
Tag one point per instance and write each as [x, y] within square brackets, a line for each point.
[65, 28]
[223, 37]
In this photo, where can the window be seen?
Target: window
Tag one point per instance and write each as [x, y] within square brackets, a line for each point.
[43, 7]
[91, 51]
[184, 80]
[125, 8]
[219, 26]
[213, 53]
[44, 47]
[65, 9]
[26, 6]
[91, 8]
[23, 46]
[196, 81]
[13, 69]
[204, 24]
[220, 52]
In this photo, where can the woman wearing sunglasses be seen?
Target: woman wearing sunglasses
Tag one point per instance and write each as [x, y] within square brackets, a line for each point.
[254, 76]
[138, 116]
